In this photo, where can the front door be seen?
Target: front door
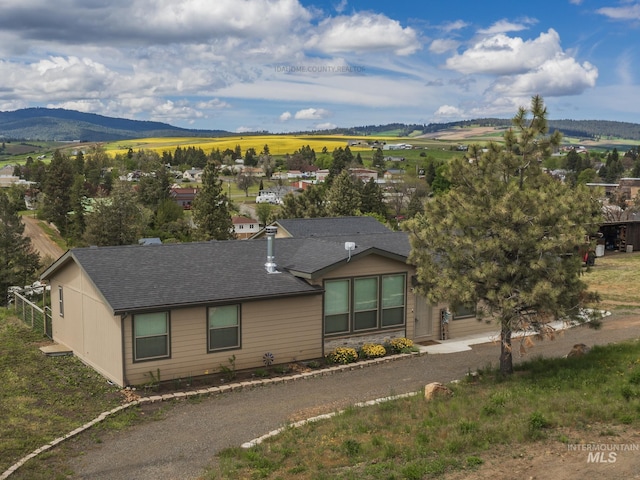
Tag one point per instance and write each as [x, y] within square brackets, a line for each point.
[423, 318]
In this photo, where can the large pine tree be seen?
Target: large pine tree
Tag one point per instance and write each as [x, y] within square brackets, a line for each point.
[211, 208]
[18, 261]
[504, 238]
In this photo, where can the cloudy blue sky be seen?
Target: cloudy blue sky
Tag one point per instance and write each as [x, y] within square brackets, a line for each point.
[291, 65]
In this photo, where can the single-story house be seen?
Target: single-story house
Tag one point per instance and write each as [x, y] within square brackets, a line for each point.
[184, 309]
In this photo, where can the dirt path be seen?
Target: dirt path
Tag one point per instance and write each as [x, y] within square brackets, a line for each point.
[41, 242]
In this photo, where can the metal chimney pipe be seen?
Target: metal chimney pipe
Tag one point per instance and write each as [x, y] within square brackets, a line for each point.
[271, 261]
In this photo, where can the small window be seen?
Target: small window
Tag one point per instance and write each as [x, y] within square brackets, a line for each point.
[224, 327]
[151, 336]
[60, 301]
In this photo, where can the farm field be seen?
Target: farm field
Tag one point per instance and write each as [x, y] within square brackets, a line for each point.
[278, 144]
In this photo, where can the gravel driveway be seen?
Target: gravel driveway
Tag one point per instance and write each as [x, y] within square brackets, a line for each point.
[187, 438]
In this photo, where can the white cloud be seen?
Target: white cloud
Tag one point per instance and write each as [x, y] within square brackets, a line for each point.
[341, 6]
[449, 111]
[285, 116]
[443, 45]
[503, 55]
[311, 114]
[505, 26]
[624, 12]
[325, 126]
[364, 32]
[453, 26]
[555, 77]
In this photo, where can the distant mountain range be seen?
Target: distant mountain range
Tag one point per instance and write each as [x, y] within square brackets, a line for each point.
[69, 125]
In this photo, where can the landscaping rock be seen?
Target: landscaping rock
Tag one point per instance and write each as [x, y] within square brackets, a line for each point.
[578, 350]
[436, 389]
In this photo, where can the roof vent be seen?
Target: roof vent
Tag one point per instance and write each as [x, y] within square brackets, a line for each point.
[271, 261]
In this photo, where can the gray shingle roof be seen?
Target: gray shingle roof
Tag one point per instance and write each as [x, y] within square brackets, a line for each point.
[134, 278]
[331, 226]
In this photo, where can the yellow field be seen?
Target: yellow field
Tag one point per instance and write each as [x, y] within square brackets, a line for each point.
[278, 144]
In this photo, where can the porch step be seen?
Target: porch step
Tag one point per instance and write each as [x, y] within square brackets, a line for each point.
[56, 350]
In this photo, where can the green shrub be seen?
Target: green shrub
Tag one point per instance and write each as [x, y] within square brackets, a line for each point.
[342, 355]
[372, 350]
[400, 345]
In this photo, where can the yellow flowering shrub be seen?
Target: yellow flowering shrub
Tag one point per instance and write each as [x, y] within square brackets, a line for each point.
[399, 345]
[342, 355]
[372, 350]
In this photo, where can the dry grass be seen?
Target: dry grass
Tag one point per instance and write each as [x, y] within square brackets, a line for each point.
[615, 276]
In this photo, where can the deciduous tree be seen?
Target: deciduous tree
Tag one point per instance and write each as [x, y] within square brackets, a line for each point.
[504, 238]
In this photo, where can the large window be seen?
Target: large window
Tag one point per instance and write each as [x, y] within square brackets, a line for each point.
[336, 306]
[364, 303]
[393, 300]
[223, 327]
[151, 336]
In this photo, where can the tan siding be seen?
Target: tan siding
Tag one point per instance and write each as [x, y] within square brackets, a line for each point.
[470, 326]
[290, 328]
[87, 327]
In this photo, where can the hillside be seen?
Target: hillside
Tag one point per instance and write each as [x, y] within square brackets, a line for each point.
[586, 129]
[49, 124]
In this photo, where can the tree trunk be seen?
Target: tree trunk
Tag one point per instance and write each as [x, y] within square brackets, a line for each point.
[506, 356]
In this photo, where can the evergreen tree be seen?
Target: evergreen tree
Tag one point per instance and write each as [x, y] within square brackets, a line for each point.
[57, 189]
[373, 199]
[154, 188]
[344, 198]
[18, 261]
[116, 219]
[211, 208]
[504, 238]
[250, 157]
[77, 224]
[378, 159]
[309, 204]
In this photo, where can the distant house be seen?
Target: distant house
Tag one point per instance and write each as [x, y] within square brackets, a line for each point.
[364, 174]
[397, 146]
[183, 309]
[245, 227]
[192, 175]
[183, 196]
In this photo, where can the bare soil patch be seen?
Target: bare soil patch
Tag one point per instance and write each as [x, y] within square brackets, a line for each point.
[604, 452]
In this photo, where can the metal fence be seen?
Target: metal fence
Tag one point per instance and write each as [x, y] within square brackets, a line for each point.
[31, 314]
